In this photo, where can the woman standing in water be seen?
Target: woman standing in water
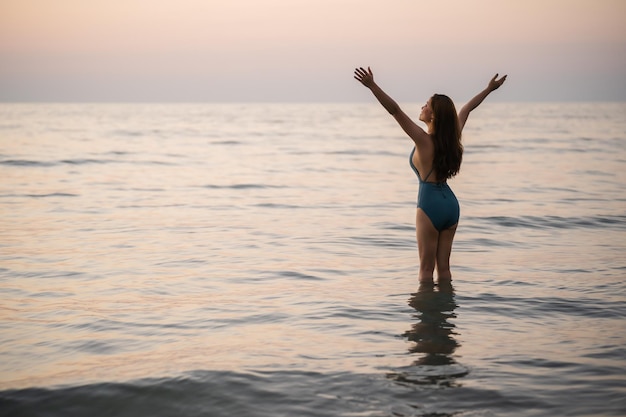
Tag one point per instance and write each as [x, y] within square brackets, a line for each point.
[436, 156]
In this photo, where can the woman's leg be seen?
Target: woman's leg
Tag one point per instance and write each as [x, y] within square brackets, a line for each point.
[427, 244]
[444, 248]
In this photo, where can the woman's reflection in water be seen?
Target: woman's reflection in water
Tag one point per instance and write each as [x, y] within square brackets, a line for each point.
[433, 338]
[433, 334]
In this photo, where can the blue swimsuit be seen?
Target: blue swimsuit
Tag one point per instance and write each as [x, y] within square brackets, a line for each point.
[437, 200]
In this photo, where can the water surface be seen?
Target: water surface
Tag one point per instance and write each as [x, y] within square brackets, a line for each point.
[260, 260]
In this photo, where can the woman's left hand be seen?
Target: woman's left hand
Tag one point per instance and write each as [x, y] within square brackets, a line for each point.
[494, 84]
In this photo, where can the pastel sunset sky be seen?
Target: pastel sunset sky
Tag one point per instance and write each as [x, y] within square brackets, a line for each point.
[306, 50]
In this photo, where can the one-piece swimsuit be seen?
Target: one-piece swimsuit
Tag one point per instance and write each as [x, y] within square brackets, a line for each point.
[437, 200]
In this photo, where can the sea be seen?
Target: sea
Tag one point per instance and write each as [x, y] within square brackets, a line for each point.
[259, 259]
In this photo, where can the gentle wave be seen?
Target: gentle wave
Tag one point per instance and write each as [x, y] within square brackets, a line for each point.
[552, 222]
[545, 307]
[404, 392]
[27, 163]
[258, 394]
[48, 195]
[242, 186]
[80, 161]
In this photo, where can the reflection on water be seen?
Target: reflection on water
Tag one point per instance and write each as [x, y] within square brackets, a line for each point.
[433, 334]
[433, 337]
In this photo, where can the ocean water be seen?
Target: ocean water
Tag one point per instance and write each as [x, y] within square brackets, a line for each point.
[260, 260]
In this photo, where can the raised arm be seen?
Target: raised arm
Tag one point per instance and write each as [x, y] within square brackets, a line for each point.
[366, 77]
[494, 84]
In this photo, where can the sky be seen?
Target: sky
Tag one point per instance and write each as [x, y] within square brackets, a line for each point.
[306, 50]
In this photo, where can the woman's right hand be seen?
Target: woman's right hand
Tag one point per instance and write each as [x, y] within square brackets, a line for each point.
[365, 77]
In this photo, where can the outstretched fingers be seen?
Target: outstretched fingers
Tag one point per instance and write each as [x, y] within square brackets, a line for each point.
[364, 76]
[495, 83]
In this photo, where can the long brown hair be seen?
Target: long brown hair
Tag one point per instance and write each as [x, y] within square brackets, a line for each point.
[446, 137]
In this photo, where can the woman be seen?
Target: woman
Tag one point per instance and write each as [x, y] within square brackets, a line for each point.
[436, 156]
